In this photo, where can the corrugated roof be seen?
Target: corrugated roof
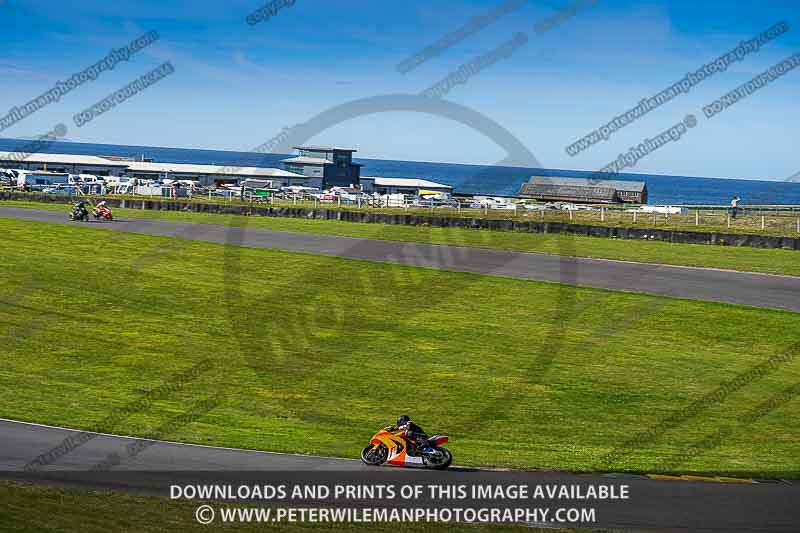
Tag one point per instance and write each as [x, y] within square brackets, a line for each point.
[620, 185]
[405, 182]
[303, 160]
[551, 191]
[144, 166]
[139, 166]
[324, 149]
[69, 159]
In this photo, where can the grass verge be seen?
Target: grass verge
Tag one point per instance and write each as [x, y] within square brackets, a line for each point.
[732, 258]
[311, 354]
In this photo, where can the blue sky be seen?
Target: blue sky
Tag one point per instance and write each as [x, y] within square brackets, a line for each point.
[235, 85]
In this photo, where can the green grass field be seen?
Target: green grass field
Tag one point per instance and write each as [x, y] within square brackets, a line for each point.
[731, 258]
[312, 354]
[38, 509]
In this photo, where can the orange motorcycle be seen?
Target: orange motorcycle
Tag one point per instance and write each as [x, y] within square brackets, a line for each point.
[392, 448]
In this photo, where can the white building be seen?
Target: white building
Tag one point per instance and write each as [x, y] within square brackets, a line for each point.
[116, 167]
[213, 174]
[73, 164]
[334, 169]
[412, 186]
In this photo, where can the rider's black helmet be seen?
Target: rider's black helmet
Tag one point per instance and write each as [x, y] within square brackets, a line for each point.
[402, 420]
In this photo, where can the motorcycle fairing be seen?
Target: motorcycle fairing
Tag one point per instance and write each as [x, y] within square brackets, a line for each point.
[398, 449]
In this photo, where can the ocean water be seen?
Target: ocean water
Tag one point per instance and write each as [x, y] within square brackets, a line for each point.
[472, 179]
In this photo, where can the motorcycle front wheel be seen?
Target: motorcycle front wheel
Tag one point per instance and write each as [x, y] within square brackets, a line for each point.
[373, 456]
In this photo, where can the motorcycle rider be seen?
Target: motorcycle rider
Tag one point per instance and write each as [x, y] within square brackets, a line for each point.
[80, 208]
[413, 432]
[100, 208]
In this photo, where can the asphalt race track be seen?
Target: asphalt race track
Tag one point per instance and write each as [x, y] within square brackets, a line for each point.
[758, 290]
[654, 505]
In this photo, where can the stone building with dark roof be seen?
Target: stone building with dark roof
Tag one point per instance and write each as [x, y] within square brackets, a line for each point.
[584, 190]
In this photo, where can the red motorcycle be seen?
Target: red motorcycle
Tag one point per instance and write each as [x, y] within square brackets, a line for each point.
[102, 211]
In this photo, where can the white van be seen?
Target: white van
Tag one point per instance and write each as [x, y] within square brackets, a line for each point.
[40, 178]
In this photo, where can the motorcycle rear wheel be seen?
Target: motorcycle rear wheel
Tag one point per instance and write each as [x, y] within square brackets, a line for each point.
[447, 460]
[372, 457]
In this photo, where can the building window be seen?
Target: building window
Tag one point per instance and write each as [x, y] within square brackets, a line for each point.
[317, 155]
[342, 159]
[295, 168]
